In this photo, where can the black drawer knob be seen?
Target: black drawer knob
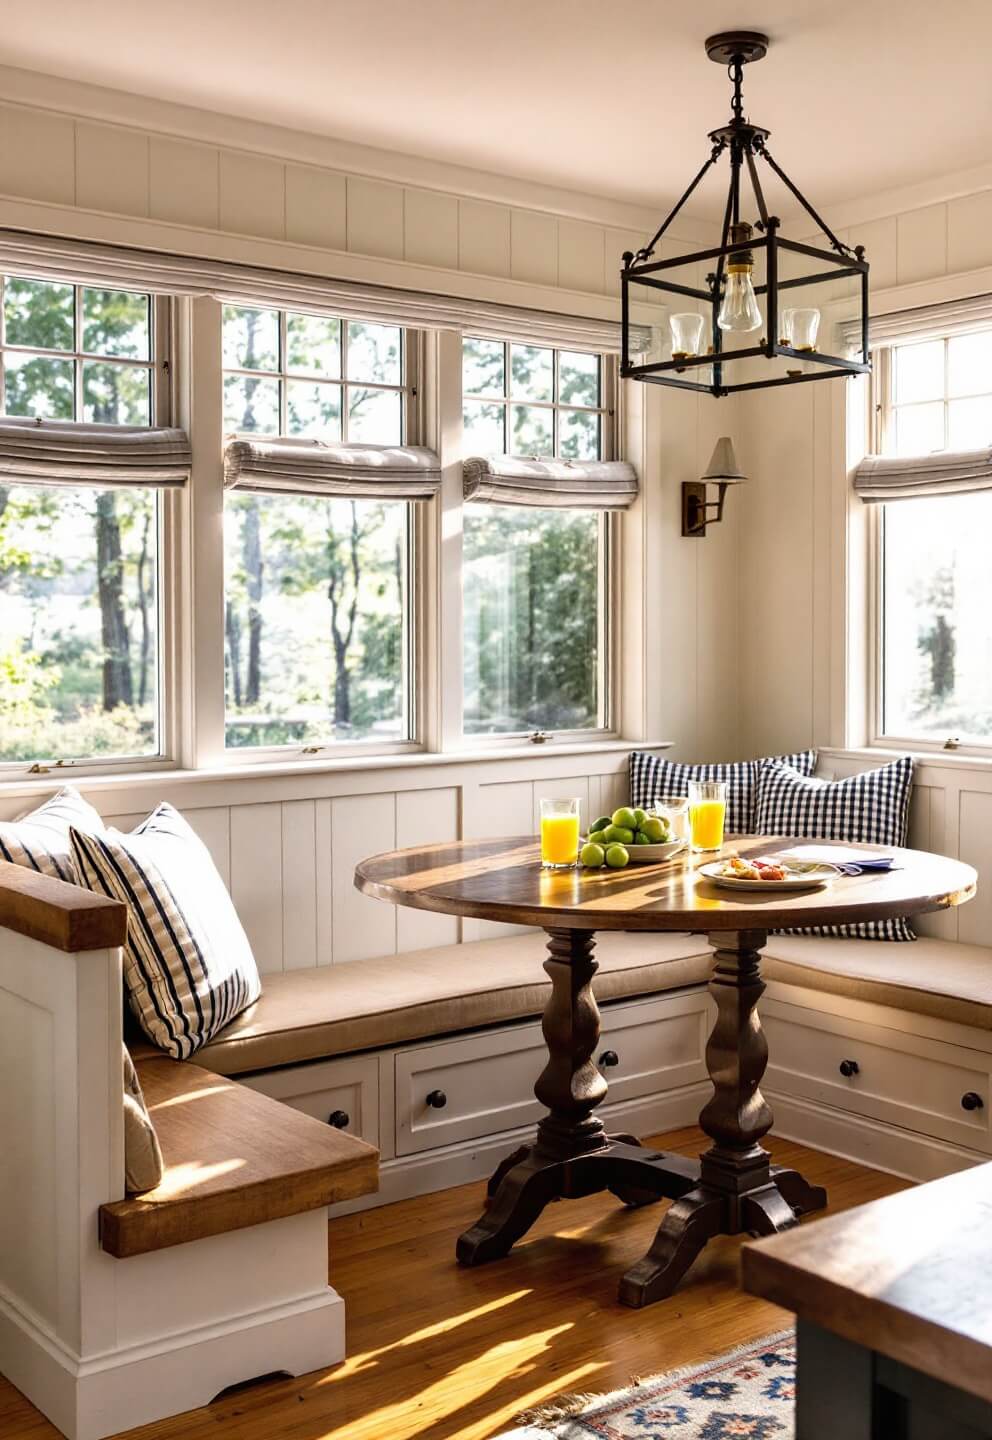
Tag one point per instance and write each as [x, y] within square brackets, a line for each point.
[971, 1101]
[340, 1119]
[849, 1068]
[609, 1058]
[437, 1100]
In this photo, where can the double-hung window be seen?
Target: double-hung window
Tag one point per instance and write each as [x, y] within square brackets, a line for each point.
[319, 626]
[537, 580]
[80, 585]
[933, 592]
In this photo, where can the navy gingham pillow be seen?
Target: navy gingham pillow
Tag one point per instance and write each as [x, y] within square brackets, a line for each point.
[653, 779]
[871, 808]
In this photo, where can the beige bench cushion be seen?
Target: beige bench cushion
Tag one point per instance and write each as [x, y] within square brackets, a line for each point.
[931, 977]
[369, 1004]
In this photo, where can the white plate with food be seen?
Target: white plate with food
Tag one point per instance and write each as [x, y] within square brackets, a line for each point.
[769, 873]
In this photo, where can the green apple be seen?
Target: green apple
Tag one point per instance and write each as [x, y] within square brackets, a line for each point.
[656, 830]
[641, 839]
[625, 818]
[592, 855]
[598, 837]
[620, 834]
[639, 818]
[617, 857]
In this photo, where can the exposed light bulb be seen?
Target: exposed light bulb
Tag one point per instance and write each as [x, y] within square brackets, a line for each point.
[739, 310]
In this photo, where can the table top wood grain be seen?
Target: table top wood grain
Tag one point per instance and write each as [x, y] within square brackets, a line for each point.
[909, 1276]
[502, 879]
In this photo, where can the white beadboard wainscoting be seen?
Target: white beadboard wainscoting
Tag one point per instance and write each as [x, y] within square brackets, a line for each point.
[287, 844]
[950, 814]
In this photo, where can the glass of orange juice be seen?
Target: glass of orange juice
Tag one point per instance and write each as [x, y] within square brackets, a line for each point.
[559, 834]
[707, 808]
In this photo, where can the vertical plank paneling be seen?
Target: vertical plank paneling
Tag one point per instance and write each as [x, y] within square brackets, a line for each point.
[324, 869]
[580, 256]
[975, 848]
[112, 169]
[969, 232]
[567, 789]
[184, 186]
[483, 238]
[361, 825]
[213, 825]
[256, 880]
[375, 218]
[252, 195]
[425, 817]
[316, 207]
[299, 892]
[534, 247]
[921, 245]
[430, 229]
[37, 155]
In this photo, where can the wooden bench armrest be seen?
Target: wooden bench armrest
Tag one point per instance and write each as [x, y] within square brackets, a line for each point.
[67, 917]
[233, 1158]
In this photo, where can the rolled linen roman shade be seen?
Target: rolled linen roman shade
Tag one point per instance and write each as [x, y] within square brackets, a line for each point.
[313, 467]
[882, 477]
[551, 484]
[925, 322]
[50, 257]
[71, 452]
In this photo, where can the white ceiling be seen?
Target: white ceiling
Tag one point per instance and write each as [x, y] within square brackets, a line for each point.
[611, 99]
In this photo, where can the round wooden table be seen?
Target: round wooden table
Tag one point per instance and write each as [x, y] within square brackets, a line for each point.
[732, 1188]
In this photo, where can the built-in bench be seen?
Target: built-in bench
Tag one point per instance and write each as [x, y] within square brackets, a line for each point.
[116, 1311]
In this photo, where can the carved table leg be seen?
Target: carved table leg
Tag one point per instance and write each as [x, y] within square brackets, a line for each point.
[738, 1189]
[572, 1154]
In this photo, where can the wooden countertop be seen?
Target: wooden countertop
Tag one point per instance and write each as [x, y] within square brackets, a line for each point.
[909, 1276]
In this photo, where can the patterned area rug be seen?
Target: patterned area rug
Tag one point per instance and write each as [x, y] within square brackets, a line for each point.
[747, 1394]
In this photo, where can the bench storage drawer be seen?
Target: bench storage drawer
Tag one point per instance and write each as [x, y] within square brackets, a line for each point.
[927, 1086]
[482, 1084]
[343, 1093]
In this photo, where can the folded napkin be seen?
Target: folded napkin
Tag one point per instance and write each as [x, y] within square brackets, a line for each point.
[852, 862]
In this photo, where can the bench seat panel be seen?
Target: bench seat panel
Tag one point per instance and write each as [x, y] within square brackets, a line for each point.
[377, 1004]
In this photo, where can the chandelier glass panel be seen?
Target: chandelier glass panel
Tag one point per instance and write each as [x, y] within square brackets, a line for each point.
[751, 298]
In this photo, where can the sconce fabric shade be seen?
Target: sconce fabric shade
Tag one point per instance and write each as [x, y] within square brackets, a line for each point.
[550, 484]
[909, 477]
[724, 467]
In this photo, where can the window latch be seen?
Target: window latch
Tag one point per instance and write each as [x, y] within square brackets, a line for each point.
[540, 737]
[312, 749]
[952, 743]
[39, 769]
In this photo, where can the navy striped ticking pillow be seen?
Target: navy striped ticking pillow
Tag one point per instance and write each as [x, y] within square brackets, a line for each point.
[653, 779]
[40, 839]
[871, 808]
[188, 966]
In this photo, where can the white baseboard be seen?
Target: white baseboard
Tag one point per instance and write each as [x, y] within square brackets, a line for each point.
[409, 1175]
[93, 1398]
[853, 1137]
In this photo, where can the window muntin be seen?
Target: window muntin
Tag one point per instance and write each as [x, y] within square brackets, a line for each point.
[76, 352]
[536, 581]
[933, 663]
[80, 643]
[318, 609]
[532, 400]
[937, 394]
[315, 375]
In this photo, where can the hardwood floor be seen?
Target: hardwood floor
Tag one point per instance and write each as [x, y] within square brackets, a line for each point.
[439, 1352]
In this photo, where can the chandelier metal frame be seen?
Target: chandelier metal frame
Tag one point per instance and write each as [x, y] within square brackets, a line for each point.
[743, 143]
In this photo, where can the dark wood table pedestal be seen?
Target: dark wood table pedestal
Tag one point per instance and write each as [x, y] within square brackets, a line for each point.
[732, 1188]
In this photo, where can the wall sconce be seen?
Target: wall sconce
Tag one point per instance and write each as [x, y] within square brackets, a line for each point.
[723, 470]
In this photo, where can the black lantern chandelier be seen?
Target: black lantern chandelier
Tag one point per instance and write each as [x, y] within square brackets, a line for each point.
[702, 343]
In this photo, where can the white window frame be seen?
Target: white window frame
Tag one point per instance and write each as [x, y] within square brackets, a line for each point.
[882, 435]
[170, 513]
[411, 363]
[609, 548]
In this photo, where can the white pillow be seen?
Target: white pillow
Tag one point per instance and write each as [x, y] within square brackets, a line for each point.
[39, 839]
[188, 966]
